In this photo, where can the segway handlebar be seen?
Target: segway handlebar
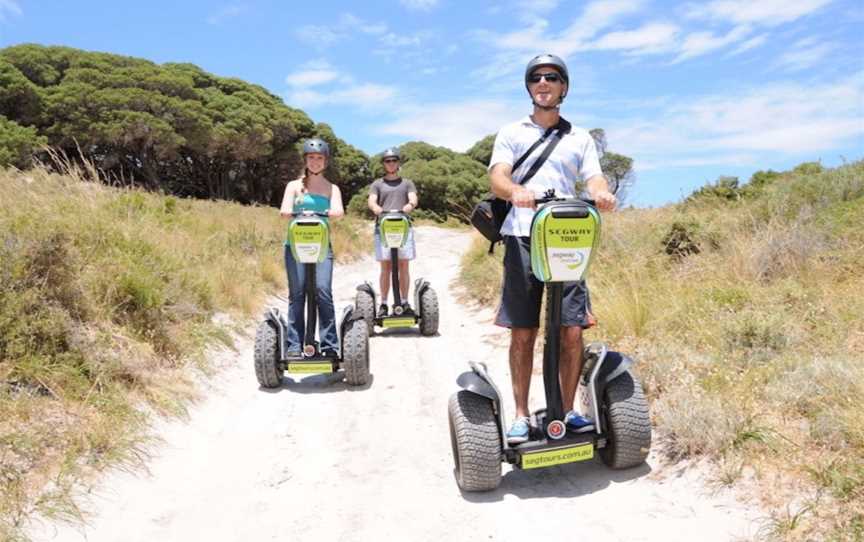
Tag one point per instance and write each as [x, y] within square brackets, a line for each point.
[550, 196]
[392, 212]
[309, 212]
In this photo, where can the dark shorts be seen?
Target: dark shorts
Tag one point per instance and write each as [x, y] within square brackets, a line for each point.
[522, 292]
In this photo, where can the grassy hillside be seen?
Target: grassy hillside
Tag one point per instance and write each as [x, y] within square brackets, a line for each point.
[743, 308]
[107, 296]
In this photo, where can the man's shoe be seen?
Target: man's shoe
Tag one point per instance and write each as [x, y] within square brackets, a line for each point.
[519, 431]
[577, 423]
[382, 310]
[329, 353]
[406, 309]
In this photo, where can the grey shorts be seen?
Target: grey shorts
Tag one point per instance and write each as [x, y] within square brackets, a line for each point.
[407, 252]
[522, 293]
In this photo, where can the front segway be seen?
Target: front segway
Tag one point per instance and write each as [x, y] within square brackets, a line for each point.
[309, 236]
[395, 227]
[564, 235]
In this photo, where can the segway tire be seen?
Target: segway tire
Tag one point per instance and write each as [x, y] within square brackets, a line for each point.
[628, 423]
[428, 312]
[364, 304]
[267, 363]
[355, 359]
[476, 442]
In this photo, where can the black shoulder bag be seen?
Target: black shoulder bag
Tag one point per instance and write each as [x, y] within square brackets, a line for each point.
[489, 214]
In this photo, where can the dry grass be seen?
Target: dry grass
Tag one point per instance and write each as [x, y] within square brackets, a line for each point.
[108, 297]
[749, 337]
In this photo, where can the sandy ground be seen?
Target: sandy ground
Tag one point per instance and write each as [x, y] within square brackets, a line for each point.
[317, 461]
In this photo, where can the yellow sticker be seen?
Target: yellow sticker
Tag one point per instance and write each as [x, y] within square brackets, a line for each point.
[310, 368]
[558, 456]
[397, 322]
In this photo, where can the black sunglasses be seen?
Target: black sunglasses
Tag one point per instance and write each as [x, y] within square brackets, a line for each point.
[550, 77]
[391, 160]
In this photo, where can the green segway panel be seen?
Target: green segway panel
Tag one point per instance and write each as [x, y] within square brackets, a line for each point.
[563, 237]
[309, 237]
[394, 230]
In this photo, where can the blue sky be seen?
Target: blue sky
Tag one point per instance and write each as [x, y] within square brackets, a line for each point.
[690, 90]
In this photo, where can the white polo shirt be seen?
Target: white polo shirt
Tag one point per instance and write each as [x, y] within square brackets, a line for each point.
[571, 163]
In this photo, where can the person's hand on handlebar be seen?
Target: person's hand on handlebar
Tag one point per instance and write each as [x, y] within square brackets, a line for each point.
[605, 200]
[522, 197]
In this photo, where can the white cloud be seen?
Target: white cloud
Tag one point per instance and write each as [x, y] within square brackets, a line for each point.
[456, 126]
[323, 36]
[752, 43]
[789, 119]
[9, 6]
[311, 77]
[761, 12]
[804, 54]
[650, 38]
[365, 95]
[420, 5]
[352, 22]
[536, 5]
[223, 14]
[700, 43]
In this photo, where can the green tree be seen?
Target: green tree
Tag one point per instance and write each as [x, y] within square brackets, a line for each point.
[482, 150]
[172, 127]
[17, 143]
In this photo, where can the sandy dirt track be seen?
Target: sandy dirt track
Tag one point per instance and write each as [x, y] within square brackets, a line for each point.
[315, 460]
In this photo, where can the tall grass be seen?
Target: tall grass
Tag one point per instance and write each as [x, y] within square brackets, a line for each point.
[745, 318]
[107, 296]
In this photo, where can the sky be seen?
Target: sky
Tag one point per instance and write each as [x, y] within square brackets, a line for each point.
[690, 90]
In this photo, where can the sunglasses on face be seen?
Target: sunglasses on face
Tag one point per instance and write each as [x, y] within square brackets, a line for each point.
[391, 161]
[550, 77]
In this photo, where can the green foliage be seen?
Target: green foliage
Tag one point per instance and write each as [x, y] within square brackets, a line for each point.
[482, 150]
[17, 144]
[682, 239]
[724, 188]
[174, 127]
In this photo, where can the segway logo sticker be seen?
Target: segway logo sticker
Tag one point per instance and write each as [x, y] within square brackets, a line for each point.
[559, 456]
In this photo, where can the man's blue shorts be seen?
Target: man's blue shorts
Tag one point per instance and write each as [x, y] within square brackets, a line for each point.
[522, 293]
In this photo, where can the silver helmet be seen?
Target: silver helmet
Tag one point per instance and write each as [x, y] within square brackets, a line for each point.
[392, 152]
[316, 144]
[548, 60]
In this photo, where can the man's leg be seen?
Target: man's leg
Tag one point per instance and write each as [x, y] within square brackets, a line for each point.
[571, 363]
[521, 361]
[384, 281]
[574, 318]
[404, 280]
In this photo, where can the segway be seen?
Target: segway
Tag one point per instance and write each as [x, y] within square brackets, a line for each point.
[395, 227]
[564, 235]
[309, 235]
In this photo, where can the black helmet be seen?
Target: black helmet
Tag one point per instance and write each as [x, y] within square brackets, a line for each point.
[548, 60]
[316, 144]
[392, 152]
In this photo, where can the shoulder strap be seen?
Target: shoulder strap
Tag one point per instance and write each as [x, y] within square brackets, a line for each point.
[563, 127]
[533, 147]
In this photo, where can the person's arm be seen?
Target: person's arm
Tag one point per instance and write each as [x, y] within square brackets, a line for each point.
[412, 203]
[336, 210]
[598, 189]
[287, 207]
[502, 185]
[373, 201]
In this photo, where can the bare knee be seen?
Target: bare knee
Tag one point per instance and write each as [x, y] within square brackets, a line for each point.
[522, 338]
